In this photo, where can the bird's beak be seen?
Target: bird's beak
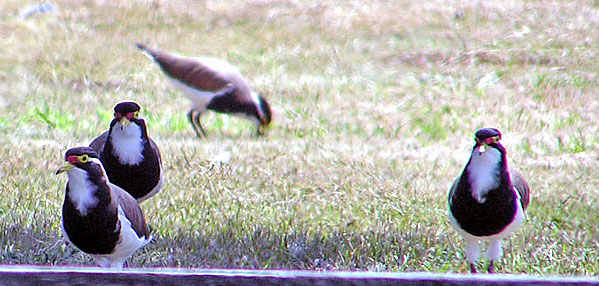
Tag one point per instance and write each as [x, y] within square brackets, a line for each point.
[64, 168]
[484, 145]
[482, 148]
[264, 123]
[125, 122]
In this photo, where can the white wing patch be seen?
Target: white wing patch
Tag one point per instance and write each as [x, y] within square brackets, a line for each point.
[127, 143]
[129, 242]
[81, 190]
[483, 172]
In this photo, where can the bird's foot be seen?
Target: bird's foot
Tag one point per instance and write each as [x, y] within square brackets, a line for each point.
[491, 269]
[473, 268]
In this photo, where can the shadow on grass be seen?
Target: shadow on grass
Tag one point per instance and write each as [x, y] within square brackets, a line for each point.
[421, 248]
[264, 248]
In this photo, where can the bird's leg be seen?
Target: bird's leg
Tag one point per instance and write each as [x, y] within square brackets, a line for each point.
[491, 268]
[473, 268]
[191, 117]
[493, 253]
[197, 121]
[126, 264]
[472, 250]
[260, 130]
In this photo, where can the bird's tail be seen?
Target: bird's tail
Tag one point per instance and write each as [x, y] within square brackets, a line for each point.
[150, 53]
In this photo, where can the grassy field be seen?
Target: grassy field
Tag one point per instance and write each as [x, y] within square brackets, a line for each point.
[375, 104]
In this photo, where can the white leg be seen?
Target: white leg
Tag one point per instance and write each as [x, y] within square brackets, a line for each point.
[494, 251]
[472, 251]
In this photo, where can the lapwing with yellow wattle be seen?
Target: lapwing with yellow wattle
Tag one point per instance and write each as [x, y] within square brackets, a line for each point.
[212, 84]
[130, 157]
[489, 199]
[98, 217]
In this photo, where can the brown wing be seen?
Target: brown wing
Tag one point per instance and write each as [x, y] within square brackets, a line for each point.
[190, 71]
[202, 73]
[521, 185]
[131, 209]
[453, 188]
[98, 143]
[155, 149]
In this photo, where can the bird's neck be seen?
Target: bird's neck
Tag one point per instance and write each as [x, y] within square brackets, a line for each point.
[127, 143]
[82, 192]
[259, 107]
[485, 171]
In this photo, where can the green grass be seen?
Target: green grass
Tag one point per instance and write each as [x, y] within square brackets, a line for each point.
[375, 104]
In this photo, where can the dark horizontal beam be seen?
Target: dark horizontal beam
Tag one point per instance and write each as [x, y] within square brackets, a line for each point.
[41, 275]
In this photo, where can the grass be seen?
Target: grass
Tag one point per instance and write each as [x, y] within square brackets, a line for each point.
[375, 104]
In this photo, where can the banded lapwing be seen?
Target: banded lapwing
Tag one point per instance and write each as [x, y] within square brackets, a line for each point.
[131, 158]
[211, 84]
[488, 200]
[98, 217]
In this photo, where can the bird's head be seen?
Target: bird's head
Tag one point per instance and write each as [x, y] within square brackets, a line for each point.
[127, 122]
[82, 158]
[125, 113]
[487, 138]
[264, 113]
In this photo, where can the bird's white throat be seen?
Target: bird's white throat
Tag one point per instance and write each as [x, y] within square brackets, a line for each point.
[81, 190]
[127, 143]
[483, 172]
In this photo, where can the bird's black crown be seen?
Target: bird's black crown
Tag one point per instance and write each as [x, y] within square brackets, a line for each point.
[485, 133]
[78, 151]
[125, 107]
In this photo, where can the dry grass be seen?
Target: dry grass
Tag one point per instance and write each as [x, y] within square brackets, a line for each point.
[375, 105]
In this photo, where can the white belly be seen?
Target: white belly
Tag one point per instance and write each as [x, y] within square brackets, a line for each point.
[129, 242]
[199, 98]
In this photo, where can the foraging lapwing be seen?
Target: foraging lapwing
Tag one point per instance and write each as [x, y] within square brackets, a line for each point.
[98, 217]
[212, 84]
[488, 200]
[130, 157]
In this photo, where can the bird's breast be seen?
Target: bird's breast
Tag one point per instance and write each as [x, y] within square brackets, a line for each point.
[128, 148]
[81, 191]
[483, 173]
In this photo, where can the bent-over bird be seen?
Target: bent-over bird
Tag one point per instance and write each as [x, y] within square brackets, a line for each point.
[211, 84]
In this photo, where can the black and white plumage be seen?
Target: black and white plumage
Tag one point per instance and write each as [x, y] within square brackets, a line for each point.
[488, 200]
[212, 84]
[131, 158]
[98, 217]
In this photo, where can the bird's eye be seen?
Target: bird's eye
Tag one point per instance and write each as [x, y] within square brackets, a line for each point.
[496, 139]
[136, 115]
[84, 158]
